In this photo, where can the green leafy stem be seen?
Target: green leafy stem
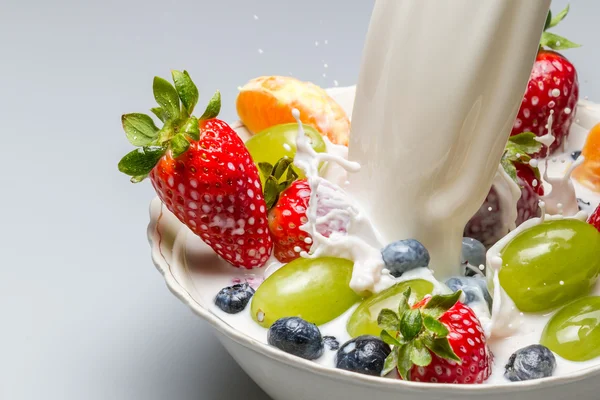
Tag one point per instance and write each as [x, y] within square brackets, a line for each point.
[176, 104]
[416, 334]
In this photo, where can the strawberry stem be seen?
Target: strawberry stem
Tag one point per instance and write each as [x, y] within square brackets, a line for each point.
[180, 128]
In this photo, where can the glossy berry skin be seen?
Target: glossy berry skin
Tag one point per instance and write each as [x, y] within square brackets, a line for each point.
[550, 264]
[404, 255]
[474, 288]
[285, 220]
[531, 362]
[594, 219]
[234, 299]
[317, 289]
[214, 189]
[553, 85]
[473, 253]
[574, 331]
[364, 354]
[468, 341]
[296, 336]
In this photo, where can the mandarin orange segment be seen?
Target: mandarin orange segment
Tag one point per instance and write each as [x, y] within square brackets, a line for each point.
[268, 101]
[588, 173]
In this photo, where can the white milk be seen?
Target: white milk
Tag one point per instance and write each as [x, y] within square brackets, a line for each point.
[440, 85]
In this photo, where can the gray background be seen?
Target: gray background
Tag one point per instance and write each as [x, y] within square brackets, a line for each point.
[83, 313]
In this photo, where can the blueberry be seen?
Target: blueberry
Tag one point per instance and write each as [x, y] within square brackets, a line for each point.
[404, 255]
[473, 252]
[474, 288]
[575, 155]
[531, 362]
[234, 299]
[331, 342]
[364, 354]
[296, 336]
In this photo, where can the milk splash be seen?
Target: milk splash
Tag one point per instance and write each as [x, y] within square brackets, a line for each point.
[562, 198]
[424, 177]
[332, 214]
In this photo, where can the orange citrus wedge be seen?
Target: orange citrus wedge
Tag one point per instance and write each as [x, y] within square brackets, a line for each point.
[268, 101]
[588, 173]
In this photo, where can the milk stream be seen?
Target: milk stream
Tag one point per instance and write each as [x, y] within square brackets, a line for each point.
[466, 63]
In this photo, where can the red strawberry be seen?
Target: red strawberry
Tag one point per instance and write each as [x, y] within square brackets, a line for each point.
[553, 86]
[488, 224]
[201, 171]
[285, 220]
[439, 340]
[594, 219]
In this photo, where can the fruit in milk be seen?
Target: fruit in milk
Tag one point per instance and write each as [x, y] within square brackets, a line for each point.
[574, 332]
[363, 320]
[489, 224]
[316, 290]
[286, 219]
[277, 142]
[553, 86]
[438, 340]
[201, 171]
[268, 101]
[550, 264]
[588, 173]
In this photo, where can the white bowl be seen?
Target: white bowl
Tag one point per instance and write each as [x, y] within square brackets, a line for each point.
[194, 274]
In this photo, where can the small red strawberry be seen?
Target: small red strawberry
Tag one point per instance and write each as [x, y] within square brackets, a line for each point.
[488, 224]
[437, 340]
[201, 171]
[594, 219]
[285, 220]
[553, 86]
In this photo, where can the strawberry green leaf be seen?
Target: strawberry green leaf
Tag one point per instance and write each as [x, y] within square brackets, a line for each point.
[291, 175]
[271, 192]
[213, 108]
[434, 326]
[265, 168]
[559, 17]
[141, 161]
[441, 347]
[510, 168]
[438, 305]
[411, 324]
[525, 142]
[160, 113]
[191, 129]
[388, 320]
[420, 355]
[280, 167]
[403, 360]
[389, 339]
[138, 179]
[139, 128]
[548, 20]
[555, 42]
[403, 304]
[186, 89]
[166, 96]
[179, 145]
[390, 363]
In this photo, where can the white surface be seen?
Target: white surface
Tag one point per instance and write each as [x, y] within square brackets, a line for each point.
[84, 313]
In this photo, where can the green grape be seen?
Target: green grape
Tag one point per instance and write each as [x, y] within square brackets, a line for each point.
[279, 141]
[363, 320]
[316, 290]
[574, 332]
[551, 264]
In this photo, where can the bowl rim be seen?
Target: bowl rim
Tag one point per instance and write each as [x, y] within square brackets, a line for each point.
[154, 235]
